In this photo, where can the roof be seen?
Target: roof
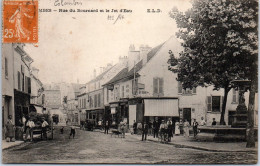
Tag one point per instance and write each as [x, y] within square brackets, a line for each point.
[122, 74]
[125, 74]
[153, 52]
[100, 76]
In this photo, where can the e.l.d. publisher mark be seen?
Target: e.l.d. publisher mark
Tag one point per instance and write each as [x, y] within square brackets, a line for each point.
[20, 21]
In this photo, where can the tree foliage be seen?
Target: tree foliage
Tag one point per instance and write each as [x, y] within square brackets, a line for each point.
[220, 43]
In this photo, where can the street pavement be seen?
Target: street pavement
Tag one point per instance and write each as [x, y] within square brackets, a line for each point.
[97, 147]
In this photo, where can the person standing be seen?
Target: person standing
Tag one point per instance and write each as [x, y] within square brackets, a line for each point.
[163, 131]
[145, 131]
[10, 130]
[135, 127]
[29, 131]
[186, 126]
[195, 127]
[155, 128]
[106, 127]
[122, 128]
[72, 131]
[44, 128]
[169, 129]
[150, 126]
[202, 122]
[177, 128]
[214, 123]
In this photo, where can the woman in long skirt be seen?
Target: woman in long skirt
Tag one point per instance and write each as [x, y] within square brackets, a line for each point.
[177, 128]
[186, 126]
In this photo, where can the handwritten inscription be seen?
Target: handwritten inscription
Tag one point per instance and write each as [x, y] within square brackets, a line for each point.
[115, 19]
[67, 3]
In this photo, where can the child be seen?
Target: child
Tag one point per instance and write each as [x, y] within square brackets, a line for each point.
[72, 131]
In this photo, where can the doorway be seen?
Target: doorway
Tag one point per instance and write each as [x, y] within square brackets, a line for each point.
[187, 114]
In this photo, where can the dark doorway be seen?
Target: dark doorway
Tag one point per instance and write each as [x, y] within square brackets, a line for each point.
[187, 114]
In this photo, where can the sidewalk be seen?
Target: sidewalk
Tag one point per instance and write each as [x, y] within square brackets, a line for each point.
[182, 142]
[6, 145]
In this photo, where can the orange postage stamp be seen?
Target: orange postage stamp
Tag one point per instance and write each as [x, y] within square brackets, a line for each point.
[20, 21]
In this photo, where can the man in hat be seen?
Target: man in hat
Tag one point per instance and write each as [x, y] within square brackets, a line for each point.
[44, 128]
[29, 131]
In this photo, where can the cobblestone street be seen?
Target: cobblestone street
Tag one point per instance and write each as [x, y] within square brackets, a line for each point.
[96, 147]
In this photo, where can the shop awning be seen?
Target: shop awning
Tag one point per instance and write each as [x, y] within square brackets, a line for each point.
[161, 107]
[113, 110]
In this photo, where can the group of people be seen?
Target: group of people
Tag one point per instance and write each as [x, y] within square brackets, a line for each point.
[27, 127]
[168, 128]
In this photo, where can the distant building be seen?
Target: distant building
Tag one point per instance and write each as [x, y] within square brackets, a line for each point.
[37, 100]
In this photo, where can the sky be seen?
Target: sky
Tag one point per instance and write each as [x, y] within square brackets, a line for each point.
[73, 44]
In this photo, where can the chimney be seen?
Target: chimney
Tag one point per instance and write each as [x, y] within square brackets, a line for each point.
[95, 73]
[131, 47]
[133, 57]
[144, 50]
[123, 60]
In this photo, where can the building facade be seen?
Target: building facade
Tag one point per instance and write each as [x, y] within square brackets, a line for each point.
[7, 84]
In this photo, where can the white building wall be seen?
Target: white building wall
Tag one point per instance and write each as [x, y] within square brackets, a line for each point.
[159, 67]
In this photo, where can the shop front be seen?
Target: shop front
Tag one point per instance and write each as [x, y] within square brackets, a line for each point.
[21, 105]
[119, 111]
[150, 108]
[95, 116]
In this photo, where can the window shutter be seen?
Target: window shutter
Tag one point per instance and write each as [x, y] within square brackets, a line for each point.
[179, 87]
[194, 90]
[29, 85]
[161, 86]
[155, 86]
[209, 103]
[26, 84]
[19, 80]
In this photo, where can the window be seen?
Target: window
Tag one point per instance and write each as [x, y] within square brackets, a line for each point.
[22, 81]
[107, 95]
[123, 91]
[235, 96]
[99, 100]
[26, 84]
[19, 80]
[29, 85]
[90, 102]
[95, 101]
[6, 68]
[214, 103]
[127, 88]
[158, 86]
[187, 90]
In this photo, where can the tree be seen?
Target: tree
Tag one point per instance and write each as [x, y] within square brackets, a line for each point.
[220, 43]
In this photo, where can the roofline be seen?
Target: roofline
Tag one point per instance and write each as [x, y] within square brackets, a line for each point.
[99, 75]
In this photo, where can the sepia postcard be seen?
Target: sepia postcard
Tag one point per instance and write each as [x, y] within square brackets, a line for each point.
[129, 82]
